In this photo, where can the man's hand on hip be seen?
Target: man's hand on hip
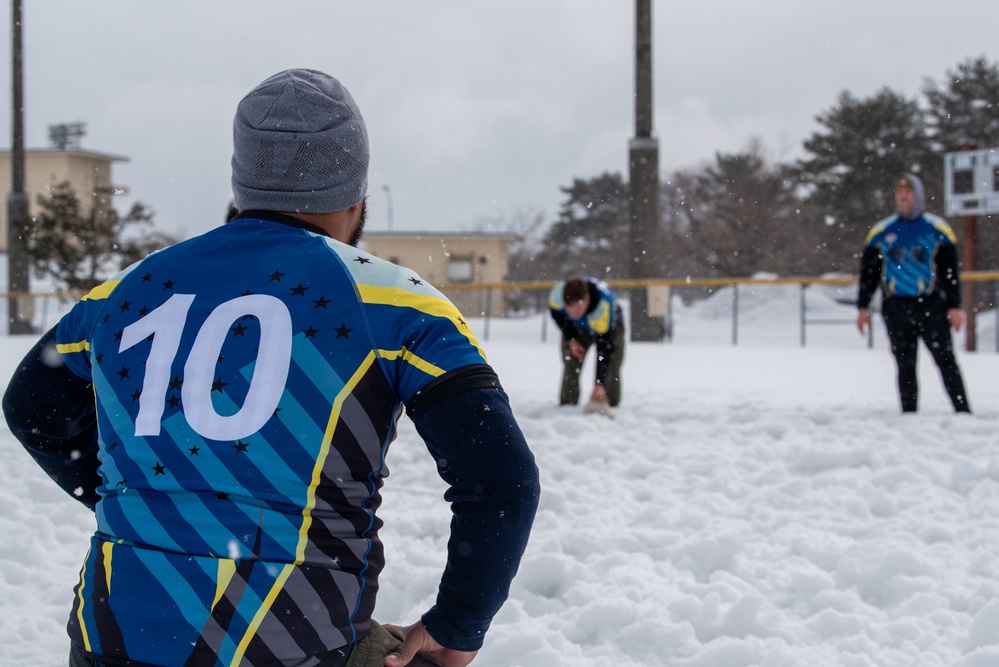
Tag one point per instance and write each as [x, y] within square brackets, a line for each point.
[416, 640]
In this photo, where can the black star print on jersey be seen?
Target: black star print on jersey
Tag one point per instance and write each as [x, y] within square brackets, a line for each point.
[175, 383]
[194, 450]
[143, 312]
[241, 446]
[310, 332]
[169, 284]
[299, 290]
[125, 306]
[113, 445]
[135, 395]
[218, 384]
[416, 281]
[276, 275]
[238, 330]
[123, 373]
[321, 302]
[159, 468]
[221, 495]
[106, 318]
[117, 334]
[174, 401]
[146, 278]
[462, 322]
[362, 260]
[100, 358]
[342, 331]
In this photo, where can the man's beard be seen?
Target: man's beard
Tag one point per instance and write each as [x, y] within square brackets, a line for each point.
[355, 237]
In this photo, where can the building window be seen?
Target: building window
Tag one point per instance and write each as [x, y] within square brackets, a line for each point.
[460, 269]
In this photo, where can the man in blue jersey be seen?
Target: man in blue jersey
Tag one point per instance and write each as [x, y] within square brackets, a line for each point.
[913, 256]
[226, 405]
[587, 313]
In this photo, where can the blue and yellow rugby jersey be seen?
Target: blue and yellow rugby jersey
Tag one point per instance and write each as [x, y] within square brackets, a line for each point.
[243, 425]
[910, 259]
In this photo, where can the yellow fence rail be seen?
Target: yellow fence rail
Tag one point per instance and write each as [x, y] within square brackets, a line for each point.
[484, 306]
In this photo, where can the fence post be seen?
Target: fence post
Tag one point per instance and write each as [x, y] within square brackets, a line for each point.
[801, 311]
[735, 314]
[489, 310]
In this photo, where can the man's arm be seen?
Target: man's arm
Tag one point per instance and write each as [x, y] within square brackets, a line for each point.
[948, 275]
[482, 454]
[870, 275]
[52, 413]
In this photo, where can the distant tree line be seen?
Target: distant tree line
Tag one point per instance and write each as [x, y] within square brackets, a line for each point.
[743, 213]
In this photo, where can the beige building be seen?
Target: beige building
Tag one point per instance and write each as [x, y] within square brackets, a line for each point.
[87, 171]
[452, 262]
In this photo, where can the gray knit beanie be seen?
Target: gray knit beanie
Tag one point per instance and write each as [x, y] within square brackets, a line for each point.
[299, 146]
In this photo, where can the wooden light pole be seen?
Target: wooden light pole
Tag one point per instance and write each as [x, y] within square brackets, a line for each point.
[17, 200]
[644, 181]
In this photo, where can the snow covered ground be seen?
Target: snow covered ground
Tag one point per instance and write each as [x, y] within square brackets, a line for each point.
[761, 504]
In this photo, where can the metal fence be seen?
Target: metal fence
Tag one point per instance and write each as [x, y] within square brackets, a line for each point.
[527, 298]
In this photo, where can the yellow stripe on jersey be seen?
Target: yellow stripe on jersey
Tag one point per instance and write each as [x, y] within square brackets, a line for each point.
[878, 228]
[412, 359]
[106, 550]
[431, 305]
[69, 348]
[224, 573]
[101, 291]
[258, 618]
[941, 226]
[81, 599]
[599, 319]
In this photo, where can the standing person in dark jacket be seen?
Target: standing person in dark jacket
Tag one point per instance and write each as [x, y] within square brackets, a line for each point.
[226, 406]
[586, 311]
[913, 255]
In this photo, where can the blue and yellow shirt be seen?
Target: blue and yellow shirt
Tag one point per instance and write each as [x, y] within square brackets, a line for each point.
[910, 259]
[248, 383]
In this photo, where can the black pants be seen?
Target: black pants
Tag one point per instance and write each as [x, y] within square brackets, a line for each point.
[908, 320]
[572, 367]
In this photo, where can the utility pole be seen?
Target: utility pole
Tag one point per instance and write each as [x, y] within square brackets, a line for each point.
[643, 154]
[18, 322]
[970, 293]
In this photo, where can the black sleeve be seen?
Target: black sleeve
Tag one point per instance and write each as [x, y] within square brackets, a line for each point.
[605, 351]
[948, 275]
[493, 489]
[870, 275]
[53, 414]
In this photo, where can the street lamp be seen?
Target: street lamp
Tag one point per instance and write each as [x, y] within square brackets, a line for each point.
[388, 199]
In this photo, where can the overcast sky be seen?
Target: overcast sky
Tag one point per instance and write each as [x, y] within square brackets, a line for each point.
[475, 110]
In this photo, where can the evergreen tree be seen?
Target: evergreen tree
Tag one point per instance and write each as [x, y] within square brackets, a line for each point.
[734, 217]
[852, 162]
[965, 111]
[79, 249]
[590, 235]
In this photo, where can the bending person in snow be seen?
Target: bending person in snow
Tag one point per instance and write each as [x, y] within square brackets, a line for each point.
[913, 255]
[226, 406]
[587, 312]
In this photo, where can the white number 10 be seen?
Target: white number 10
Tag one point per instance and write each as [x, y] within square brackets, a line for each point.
[269, 373]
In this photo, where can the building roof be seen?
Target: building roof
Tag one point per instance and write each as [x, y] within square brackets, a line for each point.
[442, 235]
[82, 152]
